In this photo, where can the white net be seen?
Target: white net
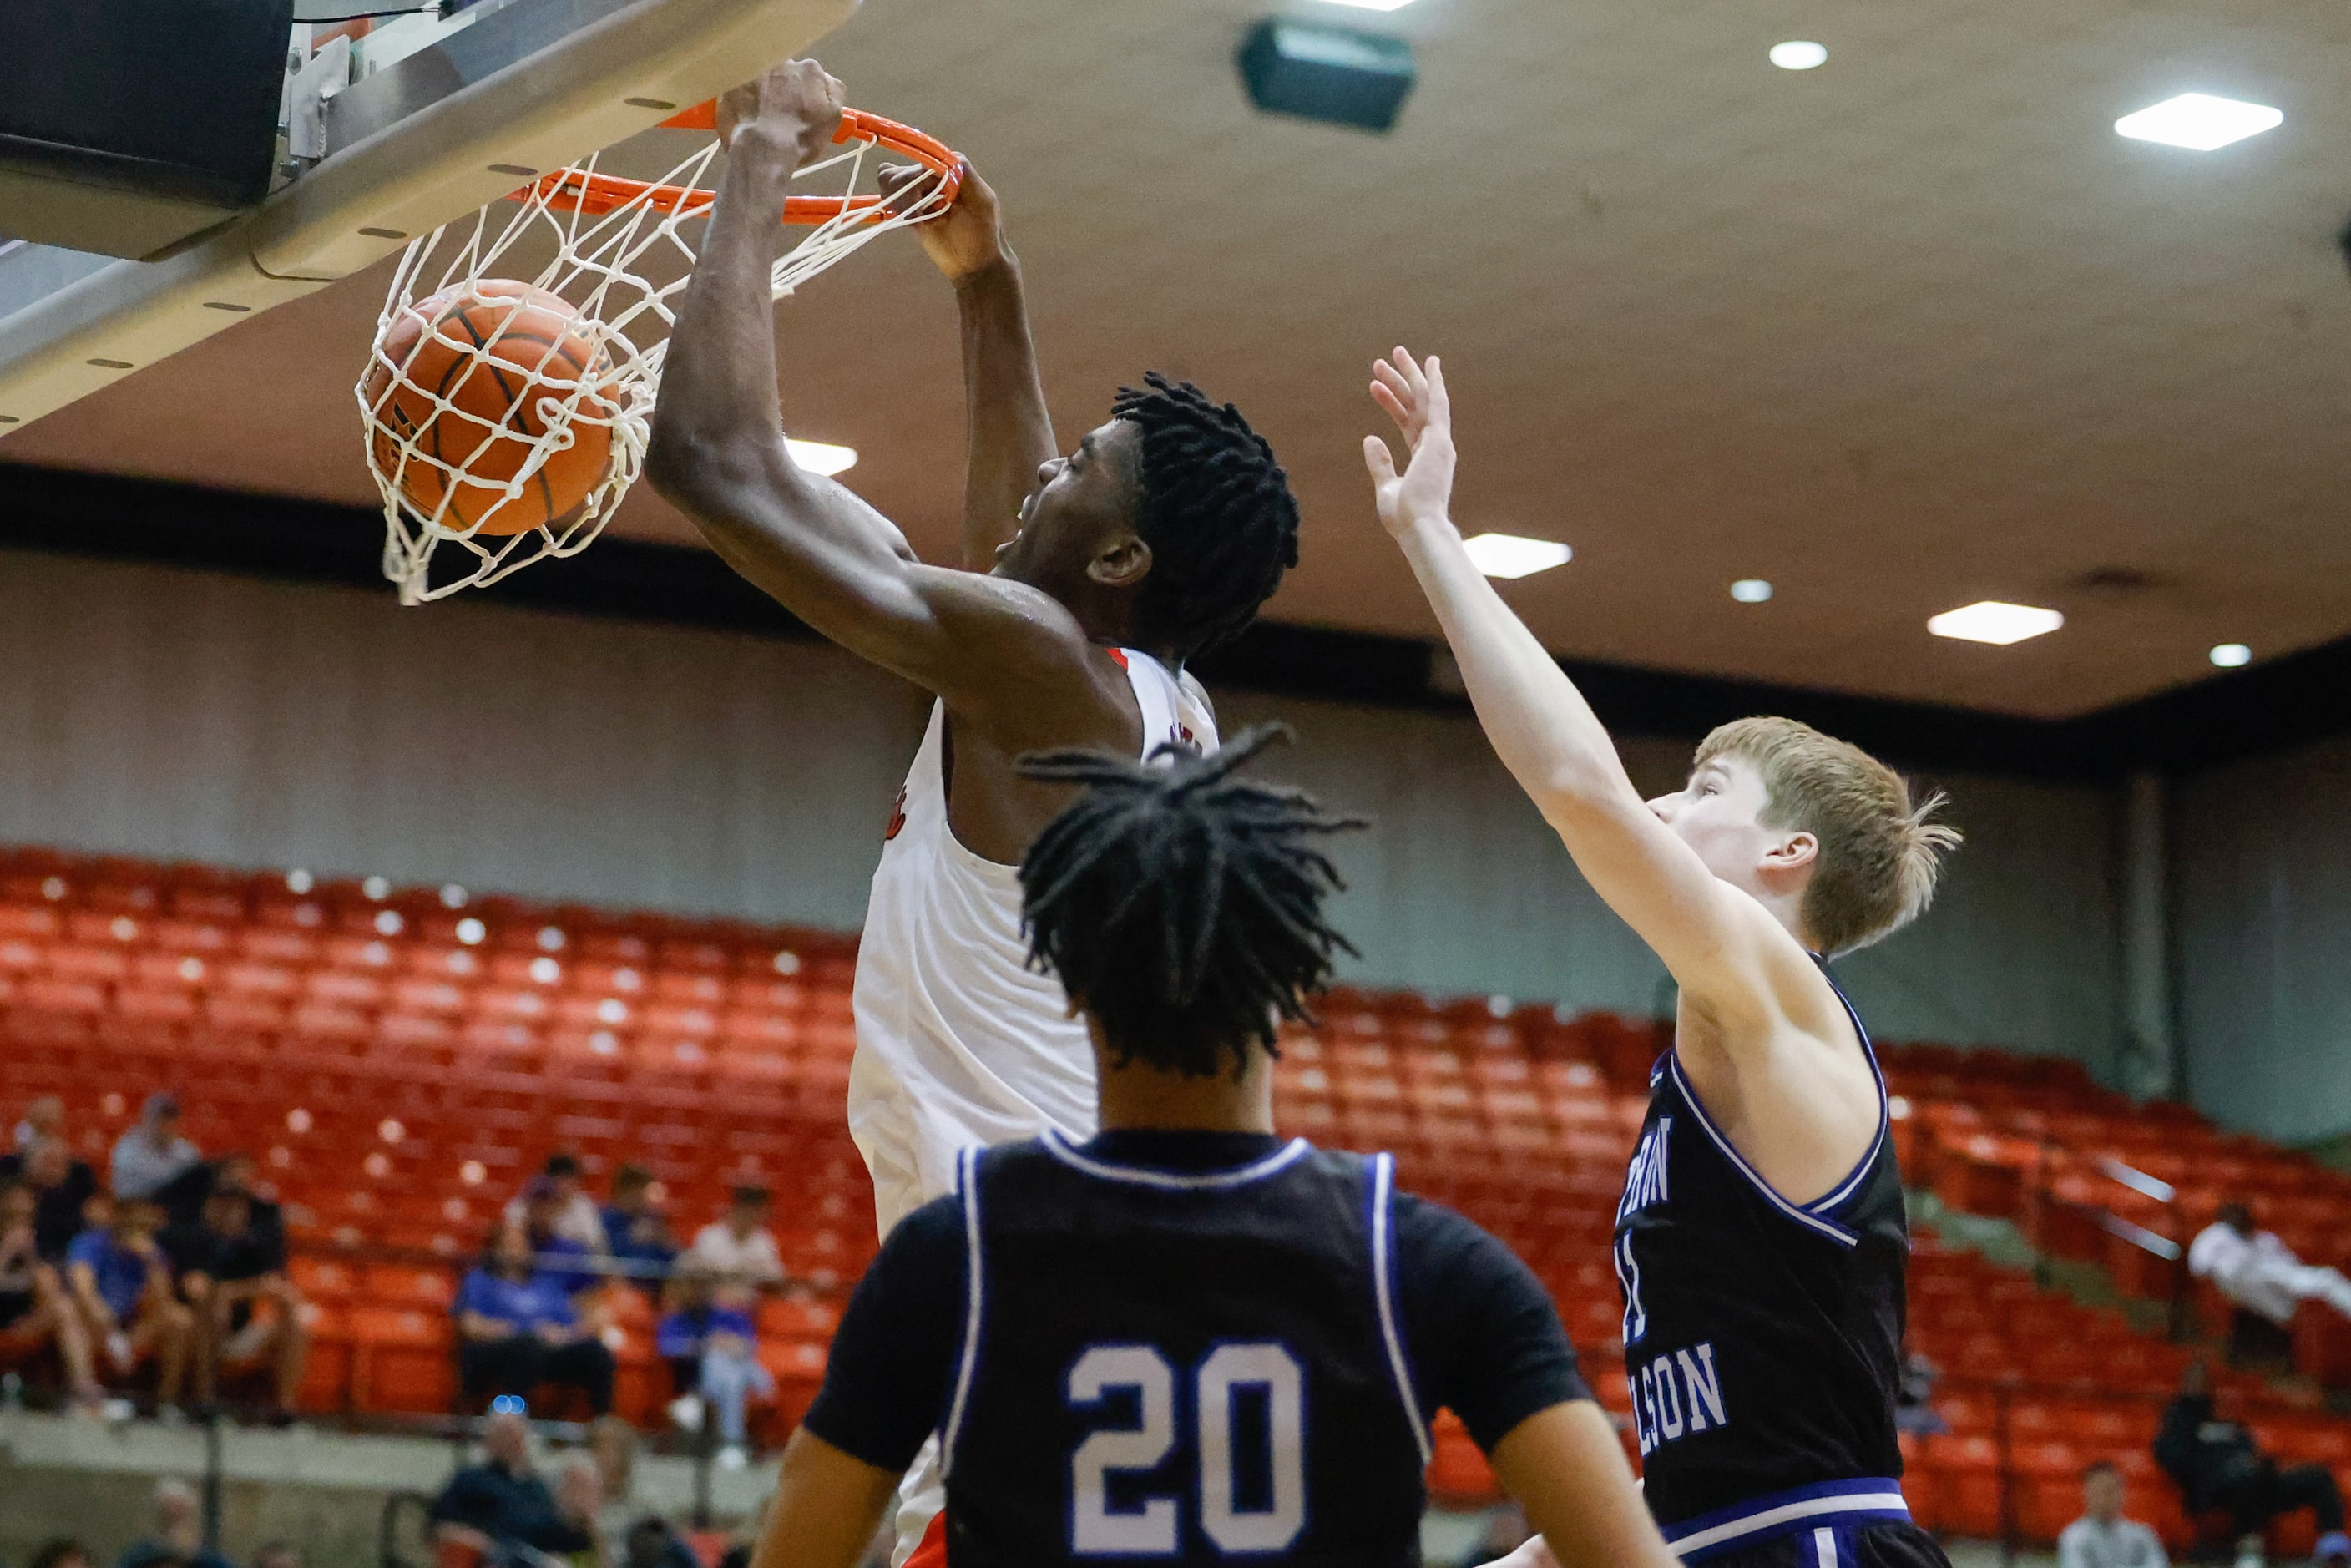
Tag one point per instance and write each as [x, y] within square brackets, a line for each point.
[509, 391]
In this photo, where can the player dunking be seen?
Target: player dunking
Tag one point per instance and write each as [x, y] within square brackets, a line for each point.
[1185, 1340]
[1761, 1240]
[1088, 581]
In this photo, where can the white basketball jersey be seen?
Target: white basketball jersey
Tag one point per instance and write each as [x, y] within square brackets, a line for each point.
[958, 1040]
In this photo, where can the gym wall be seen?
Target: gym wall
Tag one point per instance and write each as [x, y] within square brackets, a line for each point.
[174, 714]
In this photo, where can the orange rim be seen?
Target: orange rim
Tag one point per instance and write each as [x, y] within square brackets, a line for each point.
[571, 190]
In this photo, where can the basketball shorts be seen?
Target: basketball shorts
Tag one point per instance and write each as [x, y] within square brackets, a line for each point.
[1896, 1543]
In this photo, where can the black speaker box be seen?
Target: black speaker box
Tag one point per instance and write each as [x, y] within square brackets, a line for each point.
[128, 125]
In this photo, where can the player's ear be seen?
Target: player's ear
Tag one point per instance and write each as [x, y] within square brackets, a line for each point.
[1123, 562]
[1796, 852]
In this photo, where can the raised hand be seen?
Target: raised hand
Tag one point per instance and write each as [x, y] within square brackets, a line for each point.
[968, 237]
[790, 112]
[1414, 395]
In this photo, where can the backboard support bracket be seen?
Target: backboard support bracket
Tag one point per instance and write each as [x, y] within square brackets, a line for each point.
[536, 84]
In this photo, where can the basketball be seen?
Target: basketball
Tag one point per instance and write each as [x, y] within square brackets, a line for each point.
[503, 356]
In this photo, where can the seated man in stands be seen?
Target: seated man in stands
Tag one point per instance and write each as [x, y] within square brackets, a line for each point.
[121, 1284]
[2218, 1466]
[233, 1277]
[35, 1312]
[737, 1250]
[44, 1118]
[569, 1210]
[63, 1189]
[637, 1230]
[501, 1507]
[713, 1351]
[151, 1156]
[558, 1254]
[233, 1172]
[2102, 1537]
[177, 1540]
[516, 1328]
[2260, 1274]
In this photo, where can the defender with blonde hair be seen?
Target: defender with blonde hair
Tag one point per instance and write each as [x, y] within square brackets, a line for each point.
[1761, 1240]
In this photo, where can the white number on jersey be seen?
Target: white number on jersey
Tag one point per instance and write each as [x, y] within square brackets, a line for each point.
[1153, 1531]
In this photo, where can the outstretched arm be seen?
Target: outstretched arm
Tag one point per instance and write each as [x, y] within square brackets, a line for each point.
[1566, 1470]
[1712, 937]
[827, 1506]
[1007, 434]
[718, 451]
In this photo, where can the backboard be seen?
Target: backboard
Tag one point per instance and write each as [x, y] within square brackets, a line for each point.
[389, 130]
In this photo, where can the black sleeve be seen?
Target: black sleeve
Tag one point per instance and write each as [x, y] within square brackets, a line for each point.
[1483, 1338]
[885, 1384]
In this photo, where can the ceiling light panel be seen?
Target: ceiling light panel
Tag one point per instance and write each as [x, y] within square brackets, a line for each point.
[1751, 591]
[2232, 656]
[1799, 55]
[1513, 555]
[1992, 620]
[2199, 122]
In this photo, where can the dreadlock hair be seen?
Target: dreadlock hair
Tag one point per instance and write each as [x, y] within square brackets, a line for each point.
[1181, 905]
[1216, 512]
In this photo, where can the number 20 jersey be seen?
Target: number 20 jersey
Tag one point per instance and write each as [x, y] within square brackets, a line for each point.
[1181, 1368]
[1762, 1338]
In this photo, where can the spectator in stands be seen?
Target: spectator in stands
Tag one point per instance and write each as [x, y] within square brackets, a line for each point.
[502, 1504]
[2102, 1537]
[557, 1255]
[63, 1191]
[518, 1328]
[636, 1230]
[278, 1554]
[2262, 1278]
[1914, 1398]
[63, 1552]
[235, 1171]
[736, 1250]
[233, 1277]
[151, 1155]
[572, 1213]
[713, 1351]
[579, 1500]
[651, 1544]
[35, 1309]
[44, 1118]
[122, 1283]
[2218, 1466]
[178, 1536]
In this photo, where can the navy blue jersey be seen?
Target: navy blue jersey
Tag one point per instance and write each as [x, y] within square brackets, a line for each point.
[1762, 1338]
[1181, 1348]
[1181, 1368]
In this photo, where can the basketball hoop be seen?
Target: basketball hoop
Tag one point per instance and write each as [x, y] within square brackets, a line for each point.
[451, 473]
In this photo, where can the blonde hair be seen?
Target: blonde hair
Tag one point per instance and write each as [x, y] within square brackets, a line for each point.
[1879, 854]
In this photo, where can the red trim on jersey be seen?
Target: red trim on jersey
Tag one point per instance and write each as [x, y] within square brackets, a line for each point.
[1118, 653]
[933, 1552]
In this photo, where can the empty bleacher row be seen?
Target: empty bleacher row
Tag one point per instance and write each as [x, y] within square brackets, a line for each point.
[400, 1059]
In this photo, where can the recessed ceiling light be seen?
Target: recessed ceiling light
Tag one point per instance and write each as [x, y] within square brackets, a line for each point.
[822, 456]
[1374, 5]
[1511, 555]
[1751, 591]
[2232, 656]
[2199, 122]
[1799, 55]
[1989, 621]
